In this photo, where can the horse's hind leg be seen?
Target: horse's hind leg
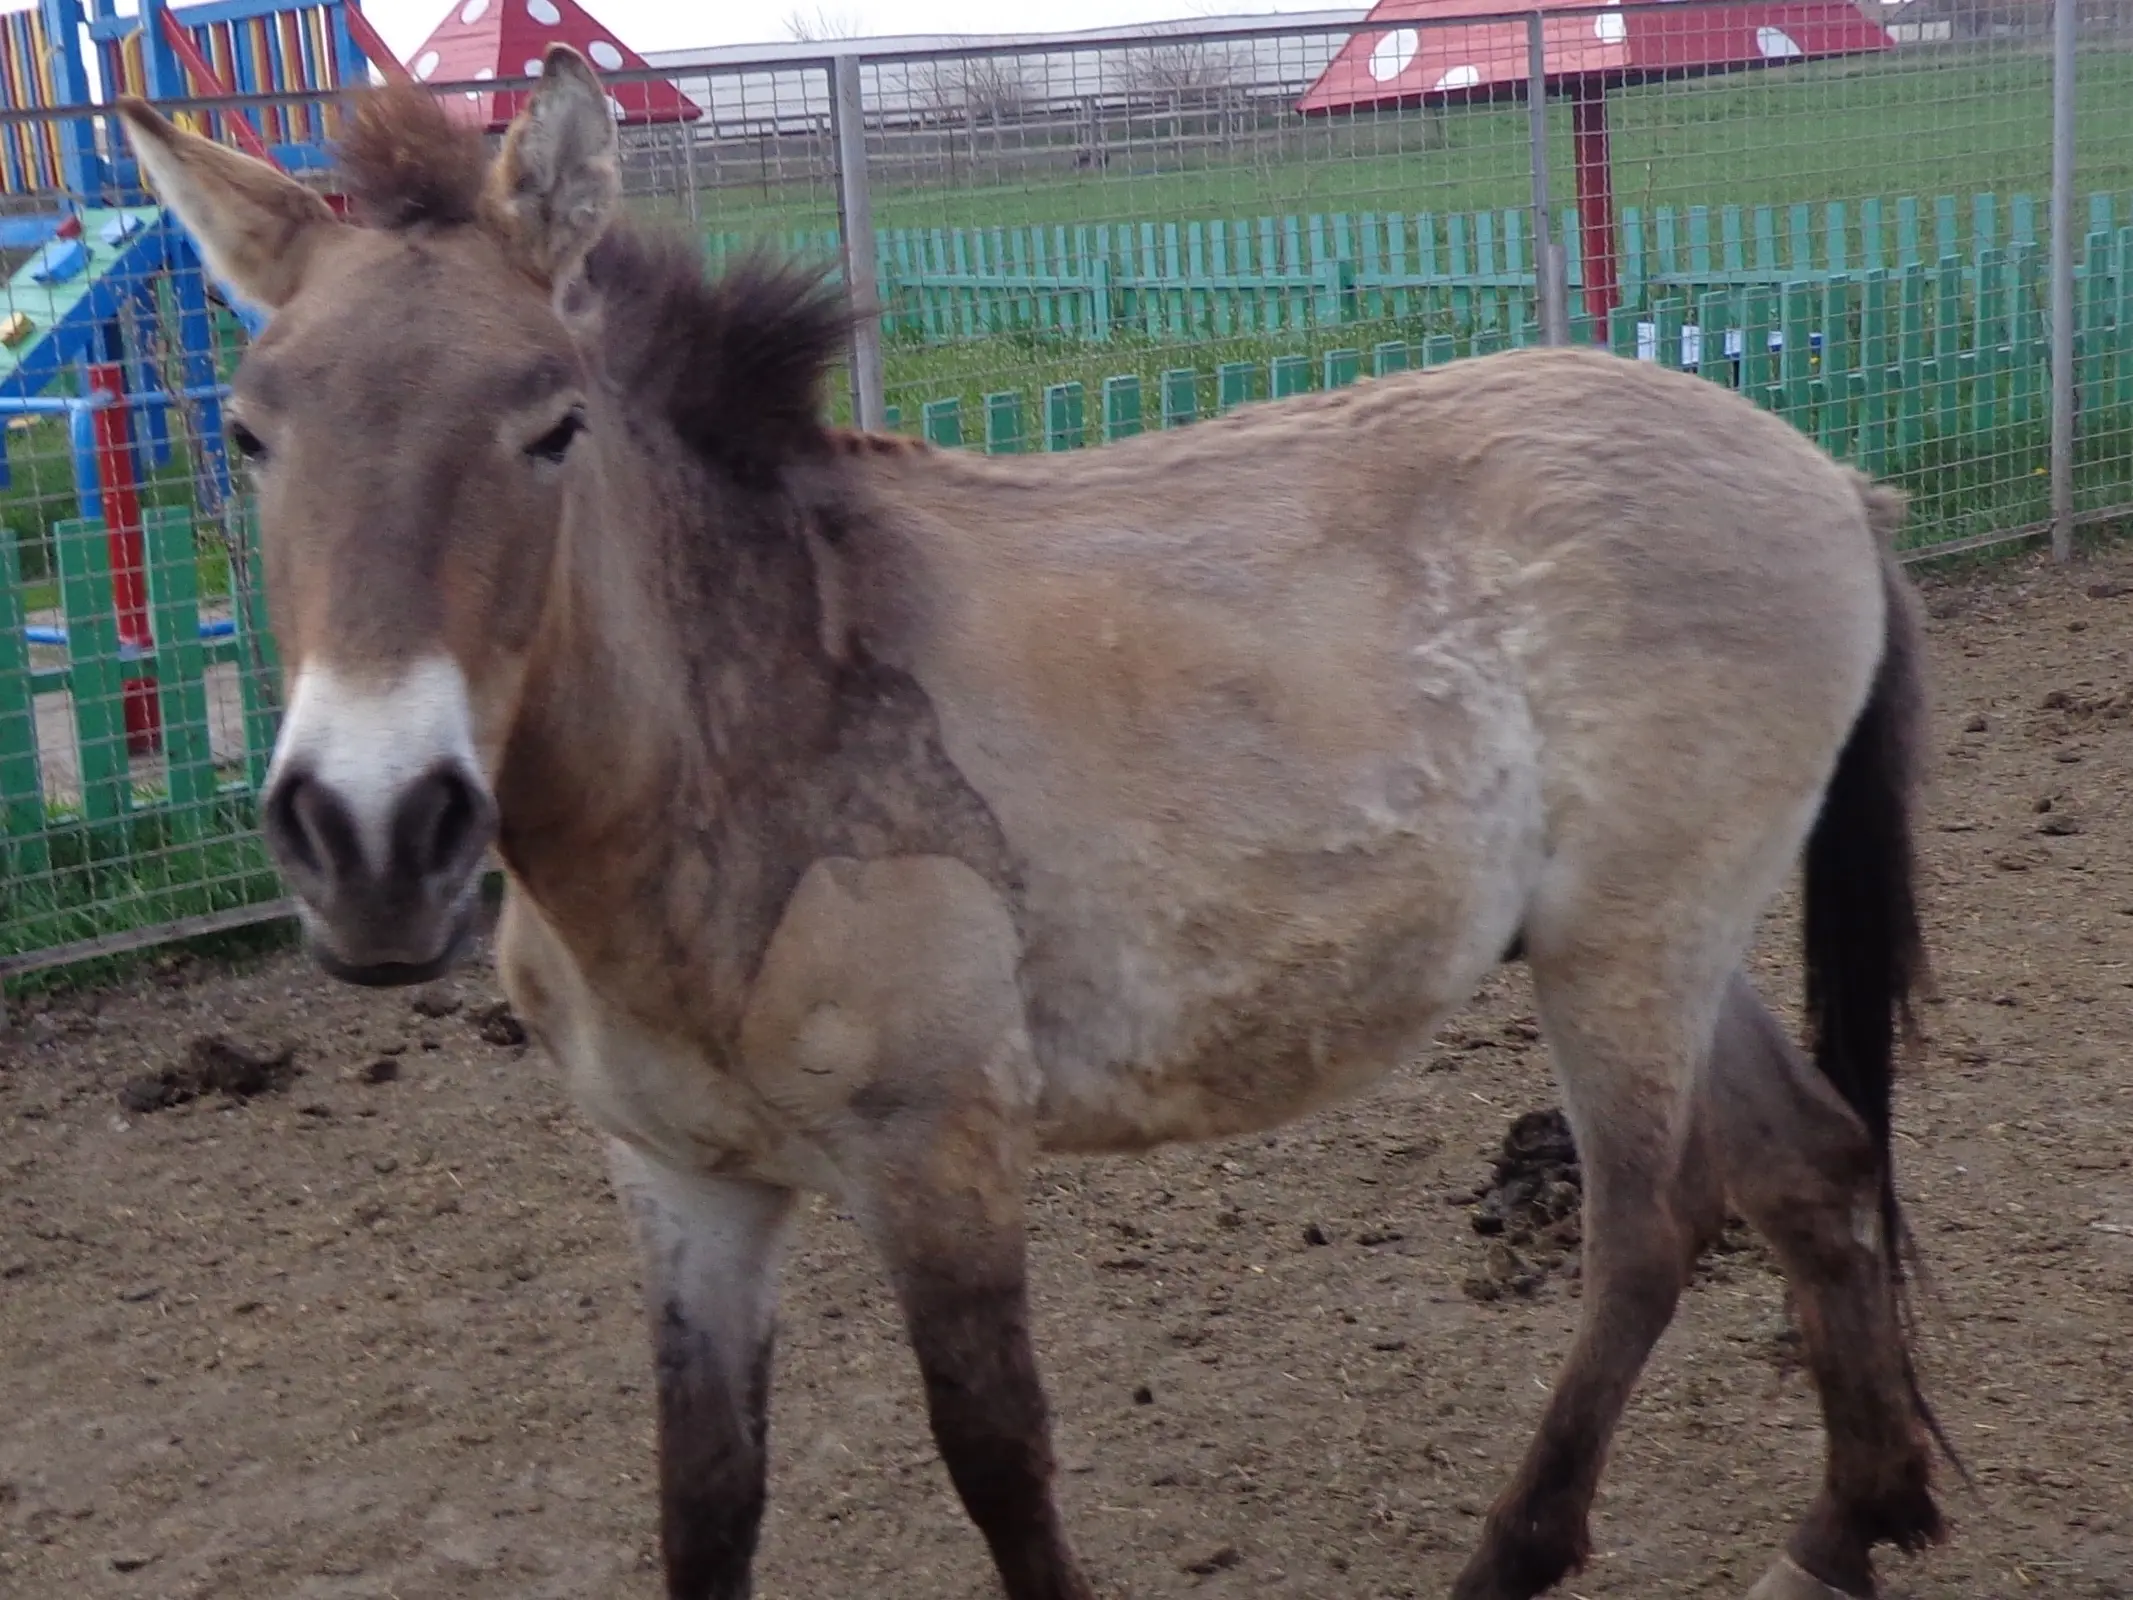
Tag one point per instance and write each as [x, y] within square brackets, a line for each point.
[1801, 1168]
[1627, 1059]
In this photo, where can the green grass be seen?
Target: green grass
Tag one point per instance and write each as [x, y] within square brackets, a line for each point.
[41, 495]
[1941, 122]
[113, 877]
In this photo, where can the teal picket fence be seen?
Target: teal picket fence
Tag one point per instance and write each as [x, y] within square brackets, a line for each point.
[1937, 374]
[1217, 278]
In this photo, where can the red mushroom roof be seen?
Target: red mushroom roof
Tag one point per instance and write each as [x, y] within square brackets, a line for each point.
[1385, 63]
[481, 39]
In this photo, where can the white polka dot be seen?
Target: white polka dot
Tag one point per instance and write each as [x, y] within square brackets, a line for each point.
[1776, 43]
[426, 63]
[472, 12]
[1610, 27]
[533, 67]
[615, 106]
[1394, 53]
[604, 54]
[485, 72]
[1460, 78]
[543, 12]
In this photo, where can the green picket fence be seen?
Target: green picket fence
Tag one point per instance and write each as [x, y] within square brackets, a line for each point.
[1941, 373]
[1191, 279]
[98, 841]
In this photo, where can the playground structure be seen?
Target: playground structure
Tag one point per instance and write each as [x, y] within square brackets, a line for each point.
[114, 285]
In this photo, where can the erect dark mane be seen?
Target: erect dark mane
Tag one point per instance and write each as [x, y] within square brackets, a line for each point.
[735, 363]
[406, 162]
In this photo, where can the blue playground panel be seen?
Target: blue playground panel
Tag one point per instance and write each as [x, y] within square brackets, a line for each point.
[71, 290]
[63, 308]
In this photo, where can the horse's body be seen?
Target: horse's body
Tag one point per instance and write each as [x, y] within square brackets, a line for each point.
[1269, 739]
[878, 816]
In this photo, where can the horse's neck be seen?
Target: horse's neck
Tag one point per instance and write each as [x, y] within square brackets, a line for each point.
[674, 701]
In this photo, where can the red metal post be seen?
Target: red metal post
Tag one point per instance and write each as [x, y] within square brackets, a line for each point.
[129, 571]
[206, 81]
[1596, 198]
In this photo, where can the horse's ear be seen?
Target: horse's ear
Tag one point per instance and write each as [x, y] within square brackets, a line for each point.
[256, 226]
[559, 179]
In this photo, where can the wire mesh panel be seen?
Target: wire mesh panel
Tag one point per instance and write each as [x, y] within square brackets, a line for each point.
[1851, 228]
[1845, 221]
[757, 170]
[137, 683]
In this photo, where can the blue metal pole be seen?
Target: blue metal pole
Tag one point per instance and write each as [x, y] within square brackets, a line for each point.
[82, 167]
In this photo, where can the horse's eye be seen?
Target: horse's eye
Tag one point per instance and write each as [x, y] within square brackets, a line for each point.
[248, 443]
[553, 445]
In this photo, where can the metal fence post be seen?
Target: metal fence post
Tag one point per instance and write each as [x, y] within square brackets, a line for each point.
[855, 225]
[2064, 18]
[1549, 288]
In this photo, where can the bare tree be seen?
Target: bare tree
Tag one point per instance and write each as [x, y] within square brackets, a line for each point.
[967, 93]
[1185, 79]
[1181, 68]
[971, 89]
[823, 23]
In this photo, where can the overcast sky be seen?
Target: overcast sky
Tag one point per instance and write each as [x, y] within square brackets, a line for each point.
[678, 24]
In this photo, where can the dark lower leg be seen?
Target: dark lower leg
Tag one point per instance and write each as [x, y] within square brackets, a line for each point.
[1802, 1170]
[1877, 1485]
[710, 1247]
[940, 1193]
[1624, 1058]
[987, 1407]
[1537, 1533]
[712, 1462]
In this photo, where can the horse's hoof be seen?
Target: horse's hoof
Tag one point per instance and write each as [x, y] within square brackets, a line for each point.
[1787, 1580]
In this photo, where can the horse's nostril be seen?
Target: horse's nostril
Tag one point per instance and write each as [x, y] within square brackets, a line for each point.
[284, 825]
[311, 827]
[442, 823]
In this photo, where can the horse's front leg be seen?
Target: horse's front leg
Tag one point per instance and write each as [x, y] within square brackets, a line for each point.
[888, 1017]
[941, 1196]
[711, 1247]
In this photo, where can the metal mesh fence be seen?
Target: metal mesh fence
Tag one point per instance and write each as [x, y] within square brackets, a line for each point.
[1085, 240]
[1849, 226]
[137, 681]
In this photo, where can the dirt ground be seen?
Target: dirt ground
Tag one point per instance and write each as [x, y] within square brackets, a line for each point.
[373, 1333]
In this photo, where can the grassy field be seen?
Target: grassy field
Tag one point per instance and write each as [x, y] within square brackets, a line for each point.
[1931, 123]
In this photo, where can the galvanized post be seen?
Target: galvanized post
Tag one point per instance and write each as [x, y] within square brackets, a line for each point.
[1550, 290]
[2064, 16]
[855, 221]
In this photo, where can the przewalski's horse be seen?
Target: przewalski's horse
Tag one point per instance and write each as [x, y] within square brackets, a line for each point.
[879, 817]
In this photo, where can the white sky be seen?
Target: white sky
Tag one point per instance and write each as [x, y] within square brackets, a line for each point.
[679, 24]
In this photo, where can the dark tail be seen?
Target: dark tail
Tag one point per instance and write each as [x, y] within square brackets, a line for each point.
[1865, 953]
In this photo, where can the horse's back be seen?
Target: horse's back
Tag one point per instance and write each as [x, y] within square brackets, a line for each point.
[1288, 717]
